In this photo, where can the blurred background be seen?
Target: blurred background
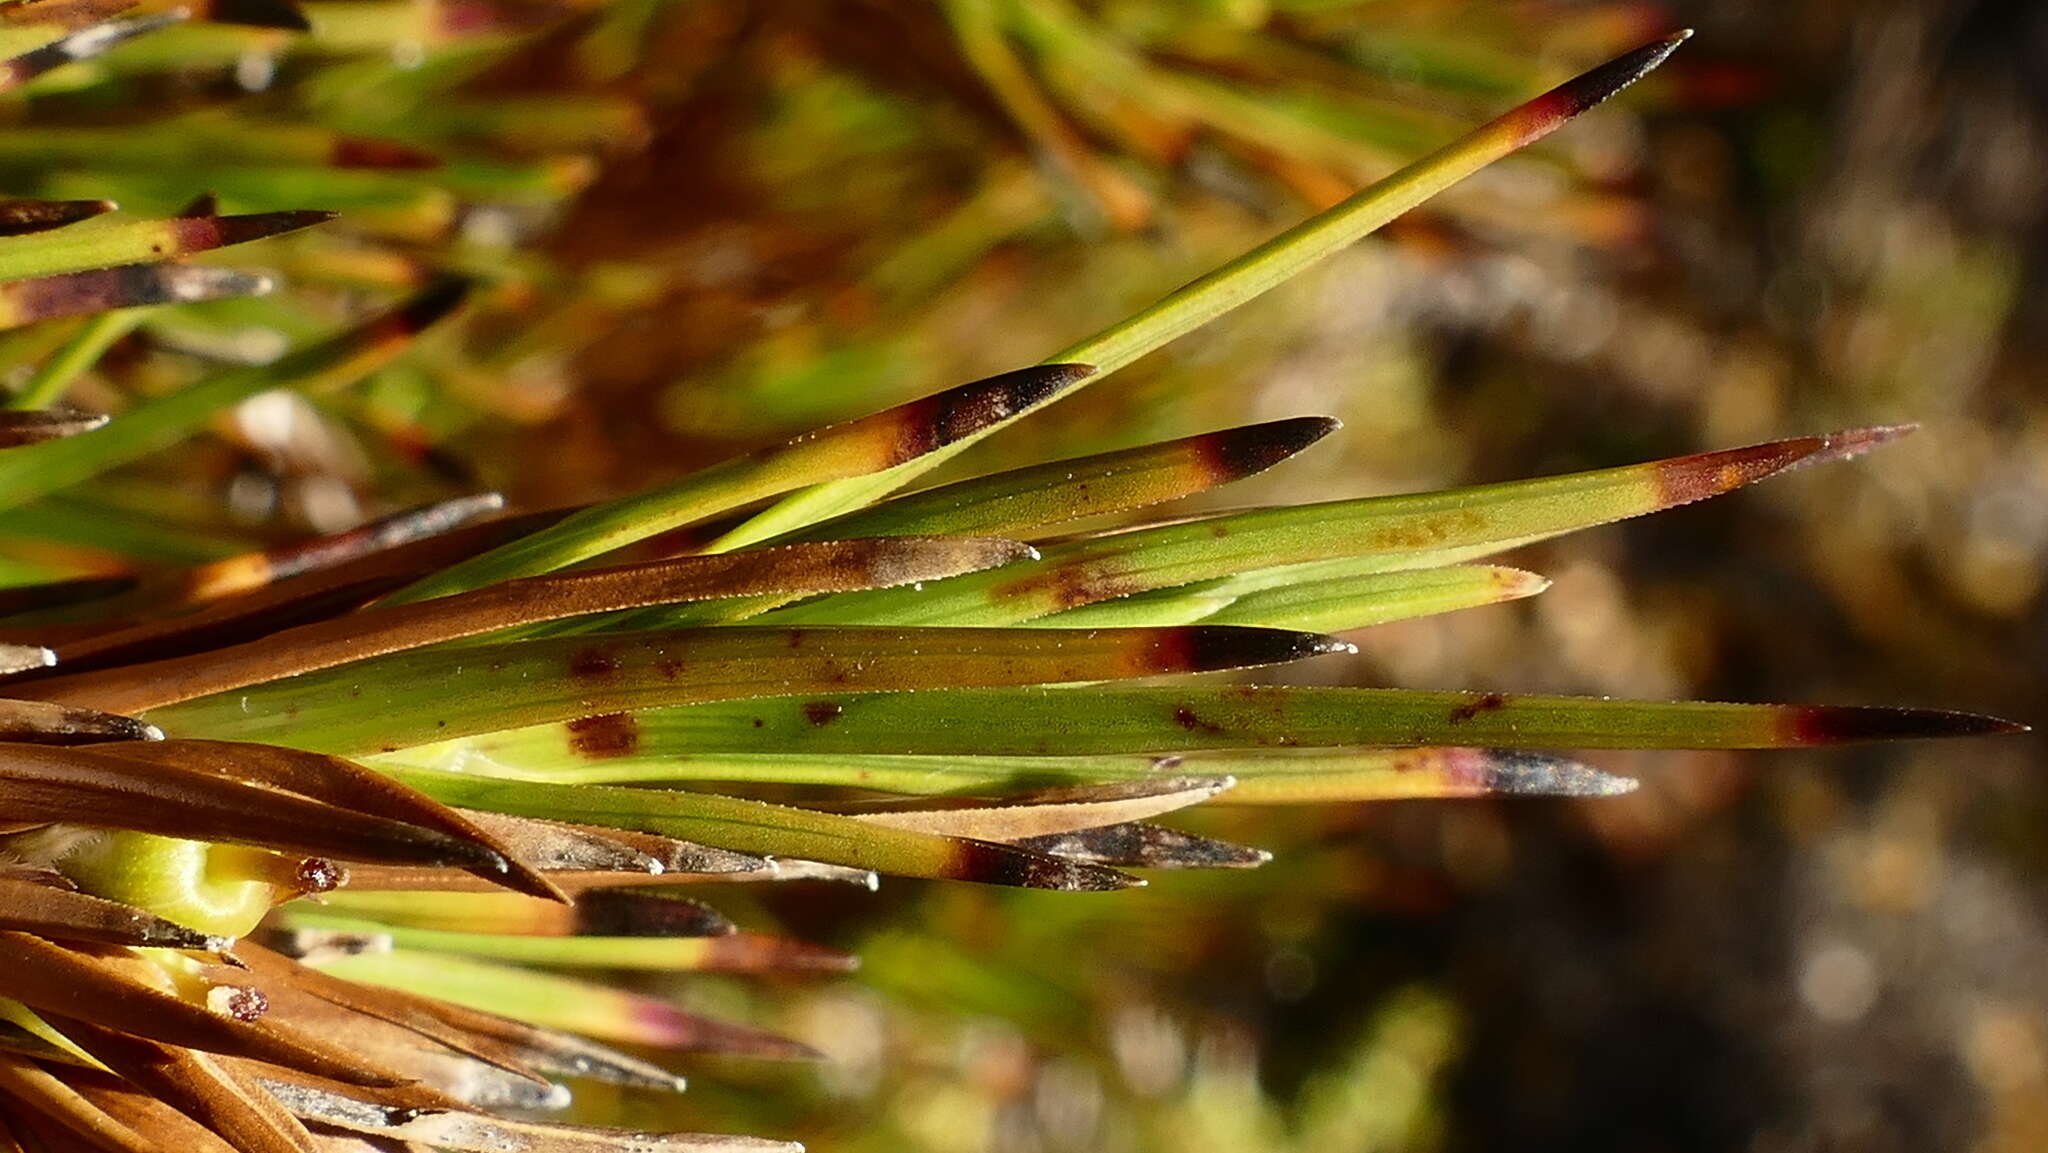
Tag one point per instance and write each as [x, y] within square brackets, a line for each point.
[704, 224]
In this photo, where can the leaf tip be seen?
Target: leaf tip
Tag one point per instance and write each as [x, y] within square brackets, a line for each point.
[1845, 724]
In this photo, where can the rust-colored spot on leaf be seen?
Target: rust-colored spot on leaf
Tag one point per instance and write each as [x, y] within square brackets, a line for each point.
[822, 713]
[593, 664]
[604, 736]
[1185, 717]
[1484, 703]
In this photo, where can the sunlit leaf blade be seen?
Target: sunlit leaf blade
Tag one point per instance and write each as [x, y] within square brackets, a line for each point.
[620, 913]
[238, 574]
[1107, 719]
[141, 242]
[83, 44]
[560, 845]
[671, 753]
[1335, 776]
[350, 788]
[1331, 605]
[1021, 500]
[476, 1132]
[40, 469]
[39, 722]
[32, 426]
[16, 658]
[130, 286]
[120, 992]
[1266, 266]
[1063, 810]
[68, 915]
[523, 1049]
[92, 786]
[195, 1084]
[855, 448]
[732, 953]
[1408, 531]
[33, 1090]
[440, 693]
[773, 830]
[1143, 846]
[802, 569]
[605, 1012]
[19, 217]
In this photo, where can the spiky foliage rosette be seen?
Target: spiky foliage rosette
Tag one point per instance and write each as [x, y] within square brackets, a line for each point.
[455, 727]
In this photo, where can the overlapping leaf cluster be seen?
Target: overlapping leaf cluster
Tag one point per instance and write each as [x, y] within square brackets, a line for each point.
[456, 726]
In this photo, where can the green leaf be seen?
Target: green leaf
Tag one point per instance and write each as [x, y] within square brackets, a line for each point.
[1263, 268]
[769, 830]
[437, 693]
[1395, 532]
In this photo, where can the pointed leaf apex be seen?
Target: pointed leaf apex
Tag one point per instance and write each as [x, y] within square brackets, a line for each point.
[1550, 111]
[1855, 442]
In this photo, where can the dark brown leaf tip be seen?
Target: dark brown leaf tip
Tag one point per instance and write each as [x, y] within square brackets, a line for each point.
[1685, 479]
[1208, 647]
[1590, 89]
[221, 231]
[1147, 846]
[430, 304]
[259, 14]
[1845, 724]
[958, 413]
[995, 864]
[18, 217]
[611, 913]
[370, 152]
[1241, 452]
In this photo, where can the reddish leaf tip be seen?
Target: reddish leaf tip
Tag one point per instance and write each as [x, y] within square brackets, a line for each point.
[1843, 724]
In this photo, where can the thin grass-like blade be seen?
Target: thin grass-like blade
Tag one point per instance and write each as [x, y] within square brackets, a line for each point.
[1331, 605]
[119, 992]
[83, 44]
[91, 786]
[733, 953]
[41, 469]
[129, 286]
[504, 1041]
[1143, 846]
[774, 830]
[855, 448]
[16, 658]
[432, 694]
[605, 1012]
[1025, 499]
[599, 914]
[141, 242]
[1040, 722]
[250, 571]
[351, 788]
[1052, 812]
[197, 1085]
[803, 569]
[73, 916]
[1406, 532]
[475, 1132]
[42, 723]
[33, 426]
[19, 217]
[29, 1086]
[1266, 266]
